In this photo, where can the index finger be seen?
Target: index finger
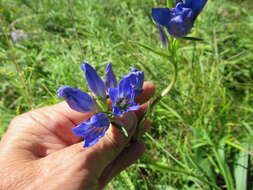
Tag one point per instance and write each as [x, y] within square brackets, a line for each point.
[75, 117]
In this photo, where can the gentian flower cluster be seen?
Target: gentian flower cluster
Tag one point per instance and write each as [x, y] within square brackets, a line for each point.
[179, 20]
[122, 96]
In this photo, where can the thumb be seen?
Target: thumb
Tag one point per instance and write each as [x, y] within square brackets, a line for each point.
[105, 151]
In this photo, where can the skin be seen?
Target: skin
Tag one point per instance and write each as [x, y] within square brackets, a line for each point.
[39, 151]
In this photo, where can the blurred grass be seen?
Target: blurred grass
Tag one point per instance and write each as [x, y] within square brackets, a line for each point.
[202, 132]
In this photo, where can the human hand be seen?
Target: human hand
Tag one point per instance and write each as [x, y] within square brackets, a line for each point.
[39, 150]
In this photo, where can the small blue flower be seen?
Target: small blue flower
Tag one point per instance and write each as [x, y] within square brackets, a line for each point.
[110, 79]
[179, 20]
[93, 129]
[95, 83]
[123, 97]
[77, 99]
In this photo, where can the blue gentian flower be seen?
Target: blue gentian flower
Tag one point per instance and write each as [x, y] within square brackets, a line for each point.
[93, 129]
[179, 20]
[123, 97]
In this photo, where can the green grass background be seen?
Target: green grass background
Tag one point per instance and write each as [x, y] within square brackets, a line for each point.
[202, 131]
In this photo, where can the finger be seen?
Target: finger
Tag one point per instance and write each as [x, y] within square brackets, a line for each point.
[75, 117]
[59, 119]
[127, 157]
[141, 111]
[148, 92]
[142, 128]
[105, 151]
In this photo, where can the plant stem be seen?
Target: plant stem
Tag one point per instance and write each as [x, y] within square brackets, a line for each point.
[157, 99]
[168, 88]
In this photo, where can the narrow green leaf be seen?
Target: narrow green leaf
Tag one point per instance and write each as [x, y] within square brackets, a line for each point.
[193, 38]
[155, 51]
[121, 128]
[248, 128]
[172, 111]
[166, 169]
[241, 170]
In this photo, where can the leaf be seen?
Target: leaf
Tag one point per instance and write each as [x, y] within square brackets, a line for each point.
[165, 169]
[241, 170]
[193, 38]
[155, 51]
[172, 111]
[127, 180]
[248, 128]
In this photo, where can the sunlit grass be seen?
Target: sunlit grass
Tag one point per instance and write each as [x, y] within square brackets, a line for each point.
[202, 133]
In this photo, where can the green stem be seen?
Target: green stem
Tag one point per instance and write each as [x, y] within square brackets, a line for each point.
[168, 88]
[157, 99]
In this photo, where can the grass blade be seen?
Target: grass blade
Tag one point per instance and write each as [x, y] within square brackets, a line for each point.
[155, 51]
[166, 169]
[241, 170]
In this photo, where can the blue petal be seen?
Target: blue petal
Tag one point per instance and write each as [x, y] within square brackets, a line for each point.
[196, 6]
[181, 25]
[110, 80]
[94, 138]
[133, 69]
[116, 111]
[82, 130]
[113, 94]
[93, 129]
[161, 16]
[77, 99]
[139, 78]
[138, 81]
[95, 82]
[125, 85]
[99, 120]
[133, 81]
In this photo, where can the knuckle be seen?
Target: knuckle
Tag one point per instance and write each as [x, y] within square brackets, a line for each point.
[116, 138]
[116, 141]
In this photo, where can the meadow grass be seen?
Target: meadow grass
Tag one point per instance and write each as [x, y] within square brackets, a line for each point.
[201, 136]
